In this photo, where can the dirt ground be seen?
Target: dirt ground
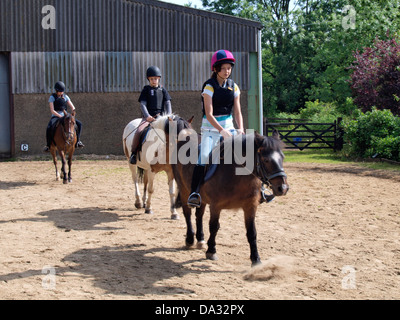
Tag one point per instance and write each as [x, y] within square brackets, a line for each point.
[336, 235]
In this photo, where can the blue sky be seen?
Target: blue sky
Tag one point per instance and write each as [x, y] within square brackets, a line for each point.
[183, 2]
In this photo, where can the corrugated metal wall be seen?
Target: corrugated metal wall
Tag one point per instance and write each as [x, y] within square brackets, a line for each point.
[36, 72]
[106, 45]
[121, 25]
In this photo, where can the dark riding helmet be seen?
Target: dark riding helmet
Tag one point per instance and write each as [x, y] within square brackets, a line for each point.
[59, 86]
[153, 71]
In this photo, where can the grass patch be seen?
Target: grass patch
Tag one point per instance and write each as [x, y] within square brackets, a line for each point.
[331, 157]
[310, 155]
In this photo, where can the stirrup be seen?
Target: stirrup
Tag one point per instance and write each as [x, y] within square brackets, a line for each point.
[194, 200]
[46, 149]
[79, 144]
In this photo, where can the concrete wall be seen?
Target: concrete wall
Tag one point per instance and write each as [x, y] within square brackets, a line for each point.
[103, 115]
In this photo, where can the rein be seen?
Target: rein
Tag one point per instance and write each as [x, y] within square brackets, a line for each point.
[68, 136]
[263, 175]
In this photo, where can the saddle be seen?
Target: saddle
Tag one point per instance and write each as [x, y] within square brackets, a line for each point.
[214, 160]
[143, 136]
[53, 128]
[57, 123]
[212, 165]
[142, 140]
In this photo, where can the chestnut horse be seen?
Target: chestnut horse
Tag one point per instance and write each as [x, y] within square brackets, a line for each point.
[226, 189]
[153, 147]
[64, 141]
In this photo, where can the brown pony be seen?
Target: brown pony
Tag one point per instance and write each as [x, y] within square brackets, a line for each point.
[64, 141]
[228, 190]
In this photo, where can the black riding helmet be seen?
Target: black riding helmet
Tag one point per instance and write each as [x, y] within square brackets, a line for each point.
[59, 86]
[153, 71]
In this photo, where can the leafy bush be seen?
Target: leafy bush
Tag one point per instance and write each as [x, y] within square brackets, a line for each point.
[375, 80]
[375, 133]
[319, 111]
[388, 147]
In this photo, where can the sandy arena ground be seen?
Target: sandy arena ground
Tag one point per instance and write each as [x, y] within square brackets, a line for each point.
[336, 235]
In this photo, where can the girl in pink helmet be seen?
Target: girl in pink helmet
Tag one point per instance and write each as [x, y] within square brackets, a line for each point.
[221, 104]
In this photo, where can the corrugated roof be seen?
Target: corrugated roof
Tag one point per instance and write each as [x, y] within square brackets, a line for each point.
[121, 25]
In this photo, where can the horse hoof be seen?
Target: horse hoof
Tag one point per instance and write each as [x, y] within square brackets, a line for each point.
[256, 263]
[175, 216]
[188, 245]
[65, 181]
[138, 205]
[211, 256]
[201, 244]
[148, 211]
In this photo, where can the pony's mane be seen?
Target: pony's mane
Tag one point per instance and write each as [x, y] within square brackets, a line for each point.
[179, 122]
[270, 143]
[267, 144]
[159, 123]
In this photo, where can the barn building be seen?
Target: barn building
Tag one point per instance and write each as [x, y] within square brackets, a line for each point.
[101, 50]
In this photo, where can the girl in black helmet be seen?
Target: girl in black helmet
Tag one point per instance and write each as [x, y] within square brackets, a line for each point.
[154, 100]
[58, 103]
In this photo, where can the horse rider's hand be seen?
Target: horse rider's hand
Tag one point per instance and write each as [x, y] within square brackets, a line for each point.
[150, 119]
[225, 133]
[240, 131]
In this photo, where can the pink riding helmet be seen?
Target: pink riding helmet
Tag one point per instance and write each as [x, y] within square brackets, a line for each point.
[220, 57]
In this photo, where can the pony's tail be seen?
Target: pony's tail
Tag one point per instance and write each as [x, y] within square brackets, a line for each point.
[140, 171]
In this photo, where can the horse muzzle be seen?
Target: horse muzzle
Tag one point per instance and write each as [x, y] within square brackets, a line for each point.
[281, 188]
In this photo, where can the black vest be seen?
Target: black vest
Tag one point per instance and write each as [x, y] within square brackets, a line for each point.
[60, 104]
[223, 98]
[154, 98]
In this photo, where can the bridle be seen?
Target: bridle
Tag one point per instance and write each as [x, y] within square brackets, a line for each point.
[68, 136]
[264, 175]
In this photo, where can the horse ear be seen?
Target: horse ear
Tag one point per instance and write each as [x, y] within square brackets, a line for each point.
[191, 120]
[73, 113]
[276, 135]
[170, 119]
[258, 140]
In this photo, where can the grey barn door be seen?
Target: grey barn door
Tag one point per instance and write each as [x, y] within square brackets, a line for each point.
[5, 130]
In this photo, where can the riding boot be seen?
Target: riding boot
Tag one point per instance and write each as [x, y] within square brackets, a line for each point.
[79, 144]
[78, 128]
[48, 139]
[194, 200]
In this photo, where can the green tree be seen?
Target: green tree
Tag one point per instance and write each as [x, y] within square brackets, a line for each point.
[308, 45]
